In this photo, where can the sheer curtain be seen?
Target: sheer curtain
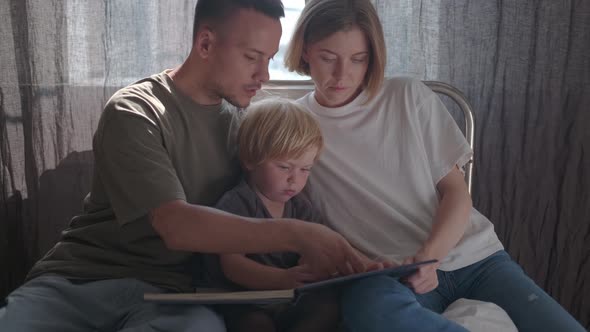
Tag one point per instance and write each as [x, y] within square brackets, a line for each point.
[60, 62]
[524, 66]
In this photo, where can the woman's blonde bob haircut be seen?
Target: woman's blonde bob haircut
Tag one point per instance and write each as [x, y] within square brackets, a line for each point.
[322, 18]
[276, 128]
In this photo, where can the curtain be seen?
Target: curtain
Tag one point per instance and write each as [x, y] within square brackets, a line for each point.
[525, 68]
[523, 65]
[60, 62]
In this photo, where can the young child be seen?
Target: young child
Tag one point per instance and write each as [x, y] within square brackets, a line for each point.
[278, 143]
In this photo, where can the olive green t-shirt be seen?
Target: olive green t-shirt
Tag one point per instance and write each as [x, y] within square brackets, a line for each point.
[152, 145]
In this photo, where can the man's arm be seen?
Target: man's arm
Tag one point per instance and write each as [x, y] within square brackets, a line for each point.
[196, 228]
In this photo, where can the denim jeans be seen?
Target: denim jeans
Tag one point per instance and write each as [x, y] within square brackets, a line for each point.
[53, 303]
[384, 304]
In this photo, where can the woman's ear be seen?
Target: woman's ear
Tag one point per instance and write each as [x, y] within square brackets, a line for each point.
[305, 55]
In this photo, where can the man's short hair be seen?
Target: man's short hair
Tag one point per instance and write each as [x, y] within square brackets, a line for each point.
[220, 10]
[277, 128]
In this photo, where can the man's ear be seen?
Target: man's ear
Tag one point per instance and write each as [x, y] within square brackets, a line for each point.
[204, 42]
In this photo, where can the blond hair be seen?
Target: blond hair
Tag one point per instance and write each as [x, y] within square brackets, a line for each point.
[276, 128]
[322, 18]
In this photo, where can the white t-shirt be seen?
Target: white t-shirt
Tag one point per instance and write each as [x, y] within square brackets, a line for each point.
[375, 181]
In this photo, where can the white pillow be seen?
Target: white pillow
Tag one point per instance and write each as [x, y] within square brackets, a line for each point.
[478, 316]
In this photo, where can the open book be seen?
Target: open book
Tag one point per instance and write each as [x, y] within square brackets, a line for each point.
[209, 296]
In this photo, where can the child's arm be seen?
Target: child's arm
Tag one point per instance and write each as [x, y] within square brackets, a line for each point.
[253, 275]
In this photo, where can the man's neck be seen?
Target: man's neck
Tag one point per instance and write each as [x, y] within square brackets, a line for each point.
[190, 80]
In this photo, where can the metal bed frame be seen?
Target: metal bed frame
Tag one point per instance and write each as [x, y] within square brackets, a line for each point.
[295, 89]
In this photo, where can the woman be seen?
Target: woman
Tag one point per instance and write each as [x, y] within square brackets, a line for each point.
[390, 181]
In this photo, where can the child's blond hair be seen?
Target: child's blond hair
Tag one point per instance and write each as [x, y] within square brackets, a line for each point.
[276, 128]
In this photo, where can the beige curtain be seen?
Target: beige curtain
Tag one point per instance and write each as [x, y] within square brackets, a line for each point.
[524, 65]
[60, 61]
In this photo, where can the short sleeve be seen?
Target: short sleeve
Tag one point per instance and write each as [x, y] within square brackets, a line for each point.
[133, 164]
[232, 202]
[444, 143]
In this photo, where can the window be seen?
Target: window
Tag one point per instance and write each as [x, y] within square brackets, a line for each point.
[276, 68]
[118, 47]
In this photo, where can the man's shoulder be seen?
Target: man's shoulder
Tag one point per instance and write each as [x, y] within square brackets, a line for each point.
[145, 90]
[137, 100]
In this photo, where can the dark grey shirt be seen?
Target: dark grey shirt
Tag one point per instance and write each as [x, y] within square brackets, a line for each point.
[243, 201]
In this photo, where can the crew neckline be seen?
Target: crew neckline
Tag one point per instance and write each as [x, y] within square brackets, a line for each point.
[334, 112]
[185, 99]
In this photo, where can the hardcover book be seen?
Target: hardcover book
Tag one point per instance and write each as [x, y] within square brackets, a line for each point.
[219, 296]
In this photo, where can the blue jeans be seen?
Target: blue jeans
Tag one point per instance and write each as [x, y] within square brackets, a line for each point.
[53, 303]
[384, 304]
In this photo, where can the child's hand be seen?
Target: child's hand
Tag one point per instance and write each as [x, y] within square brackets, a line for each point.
[299, 275]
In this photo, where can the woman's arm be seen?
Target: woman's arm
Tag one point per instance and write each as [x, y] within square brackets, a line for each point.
[253, 275]
[452, 216]
[450, 222]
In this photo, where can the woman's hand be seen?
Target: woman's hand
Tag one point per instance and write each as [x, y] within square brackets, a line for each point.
[425, 278]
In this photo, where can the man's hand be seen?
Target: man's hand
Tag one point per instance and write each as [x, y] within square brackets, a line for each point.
[425, 279]
[326, 252]
[375, 264]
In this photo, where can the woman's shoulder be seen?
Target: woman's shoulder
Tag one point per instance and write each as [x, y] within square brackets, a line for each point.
[405, 83]
[305, 99]
[406, 89]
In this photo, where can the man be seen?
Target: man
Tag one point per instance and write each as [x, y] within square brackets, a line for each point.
[161, 157]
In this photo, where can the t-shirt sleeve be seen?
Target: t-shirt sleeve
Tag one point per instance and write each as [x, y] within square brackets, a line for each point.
[444, 143]
[133, 164]
[232, 202]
